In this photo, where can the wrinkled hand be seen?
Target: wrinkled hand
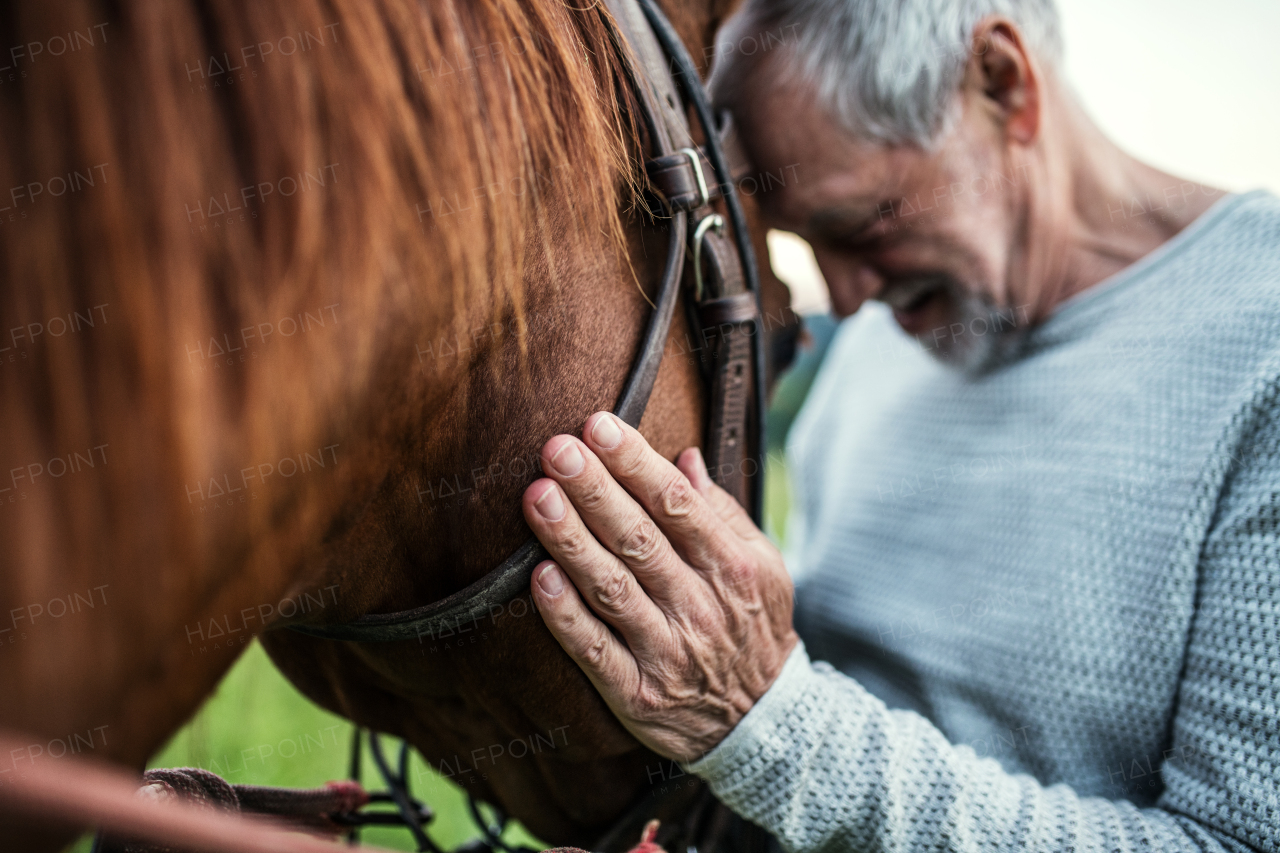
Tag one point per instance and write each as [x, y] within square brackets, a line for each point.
[698, 600]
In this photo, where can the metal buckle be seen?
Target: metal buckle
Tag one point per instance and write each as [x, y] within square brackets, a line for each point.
[699, 234]
[692, 154]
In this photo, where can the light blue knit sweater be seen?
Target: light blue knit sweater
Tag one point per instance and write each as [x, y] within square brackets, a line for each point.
[1051, 594]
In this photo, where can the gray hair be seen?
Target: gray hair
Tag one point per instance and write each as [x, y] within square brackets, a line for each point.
[886, 70]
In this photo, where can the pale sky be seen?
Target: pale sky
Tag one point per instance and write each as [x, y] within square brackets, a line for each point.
[1189, 86]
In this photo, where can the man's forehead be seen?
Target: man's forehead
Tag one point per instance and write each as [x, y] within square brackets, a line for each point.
[829, 194]
[827, 197]
[834, 179]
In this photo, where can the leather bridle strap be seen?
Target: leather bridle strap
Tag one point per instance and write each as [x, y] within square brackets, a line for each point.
[647, 40]
[691, 83]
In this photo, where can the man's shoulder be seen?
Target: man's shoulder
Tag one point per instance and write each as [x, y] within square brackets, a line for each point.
[1260, 207]
[1209, 299]
[1231, 279]
[1242, 244]
[1250, 230]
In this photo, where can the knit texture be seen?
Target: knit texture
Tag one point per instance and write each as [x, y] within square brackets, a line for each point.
[1050, 594]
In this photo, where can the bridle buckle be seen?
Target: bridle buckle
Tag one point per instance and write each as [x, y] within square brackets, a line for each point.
[696, 161]
[707, 223]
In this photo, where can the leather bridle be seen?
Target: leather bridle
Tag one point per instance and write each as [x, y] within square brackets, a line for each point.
[725, 303]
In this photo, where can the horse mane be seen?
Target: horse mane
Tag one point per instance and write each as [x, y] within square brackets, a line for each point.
[140, 141]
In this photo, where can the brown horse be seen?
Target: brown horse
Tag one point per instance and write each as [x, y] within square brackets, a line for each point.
[286, 287]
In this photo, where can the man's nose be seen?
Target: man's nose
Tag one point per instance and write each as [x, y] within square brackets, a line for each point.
[850, 280]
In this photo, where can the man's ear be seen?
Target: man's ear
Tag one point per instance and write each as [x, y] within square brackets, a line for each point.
[1004, 79]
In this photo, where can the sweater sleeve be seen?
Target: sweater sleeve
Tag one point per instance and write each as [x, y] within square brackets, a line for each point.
[826, 766]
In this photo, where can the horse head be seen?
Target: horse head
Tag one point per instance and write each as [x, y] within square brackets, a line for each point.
[352, 264]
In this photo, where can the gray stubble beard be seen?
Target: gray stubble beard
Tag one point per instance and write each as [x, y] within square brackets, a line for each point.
[990, 335]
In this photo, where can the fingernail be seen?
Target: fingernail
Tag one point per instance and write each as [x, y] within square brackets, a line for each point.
[550, 506]
[551, 581]
[606, 432]
[568, 459]
[700, 476]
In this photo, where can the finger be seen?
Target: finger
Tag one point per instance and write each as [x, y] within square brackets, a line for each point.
[608, 587]
[723, 504]
[607, 662]
[617, 521]
[677, 507]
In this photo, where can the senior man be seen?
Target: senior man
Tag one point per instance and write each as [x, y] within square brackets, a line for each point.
[1041, 544]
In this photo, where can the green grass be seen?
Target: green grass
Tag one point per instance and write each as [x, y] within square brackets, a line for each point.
[258, 730]
[777, 497]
